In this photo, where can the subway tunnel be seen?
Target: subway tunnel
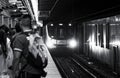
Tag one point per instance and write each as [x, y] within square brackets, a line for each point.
[82, 37]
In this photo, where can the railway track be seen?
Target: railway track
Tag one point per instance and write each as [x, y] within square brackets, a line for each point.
[70, 68]
[93, 69]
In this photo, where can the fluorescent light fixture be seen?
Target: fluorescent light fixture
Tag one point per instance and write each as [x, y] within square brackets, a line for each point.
[60, 24]
[51, 24]
[40, 23]
[34, 27]
[35, 8]
[70, 24]
[15, 10]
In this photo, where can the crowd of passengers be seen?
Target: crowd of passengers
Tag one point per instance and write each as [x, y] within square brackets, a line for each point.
[7, 35]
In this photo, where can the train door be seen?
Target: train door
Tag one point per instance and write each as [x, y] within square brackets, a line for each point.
[114, 32]
[116, 51]
[116, 58]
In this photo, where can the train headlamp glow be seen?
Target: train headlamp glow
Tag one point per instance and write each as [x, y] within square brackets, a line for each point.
[72, 43]
[51, 43]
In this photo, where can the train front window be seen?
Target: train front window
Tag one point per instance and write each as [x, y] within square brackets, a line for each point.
[61, 33]
[57, 32]
[52, 31]
[70, 31]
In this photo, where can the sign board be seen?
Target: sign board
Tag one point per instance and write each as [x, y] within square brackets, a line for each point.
[44, 13]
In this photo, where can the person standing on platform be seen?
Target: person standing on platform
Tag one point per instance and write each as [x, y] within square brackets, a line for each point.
[6, 53]
[20, 46]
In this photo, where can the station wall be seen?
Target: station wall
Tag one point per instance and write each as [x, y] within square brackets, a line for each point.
[101, 40]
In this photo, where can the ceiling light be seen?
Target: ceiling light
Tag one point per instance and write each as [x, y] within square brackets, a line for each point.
[70, 24]
[60, 24]
[15, 10]
[51, 24]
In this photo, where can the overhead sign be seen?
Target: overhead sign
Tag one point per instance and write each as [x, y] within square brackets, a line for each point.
[44, 13]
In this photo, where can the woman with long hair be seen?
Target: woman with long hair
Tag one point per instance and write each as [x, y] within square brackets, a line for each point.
[3, 39]
[5, 50]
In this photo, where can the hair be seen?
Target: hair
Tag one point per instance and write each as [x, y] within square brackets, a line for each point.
[3, 41]
[18, 28]
[25, 20]
[5, 28]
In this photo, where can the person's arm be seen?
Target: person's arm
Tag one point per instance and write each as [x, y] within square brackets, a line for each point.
[16, 62]
[17, 50]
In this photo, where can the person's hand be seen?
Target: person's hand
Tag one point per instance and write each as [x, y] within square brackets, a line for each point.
[14, 74]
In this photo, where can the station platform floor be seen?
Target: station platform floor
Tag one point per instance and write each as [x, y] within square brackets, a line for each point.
[51, 69]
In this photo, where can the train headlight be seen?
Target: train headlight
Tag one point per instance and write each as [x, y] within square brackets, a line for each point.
[72, 43]
[51, 43]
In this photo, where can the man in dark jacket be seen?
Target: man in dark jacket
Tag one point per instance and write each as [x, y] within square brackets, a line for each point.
[20, 47]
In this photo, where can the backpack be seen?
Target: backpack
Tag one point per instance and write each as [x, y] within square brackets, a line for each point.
[36, 45]
[37, 51]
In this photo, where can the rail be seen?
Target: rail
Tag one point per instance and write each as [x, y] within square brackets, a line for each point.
[98, 73]
[60, 68]
[85, 69]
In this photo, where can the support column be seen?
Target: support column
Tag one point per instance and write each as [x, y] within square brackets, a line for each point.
[1, 19]
[6, 21]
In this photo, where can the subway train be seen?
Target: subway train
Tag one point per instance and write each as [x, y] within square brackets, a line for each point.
[98, 39]
[60, 35]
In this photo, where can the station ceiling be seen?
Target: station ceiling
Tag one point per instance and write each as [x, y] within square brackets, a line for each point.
[78, 10]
